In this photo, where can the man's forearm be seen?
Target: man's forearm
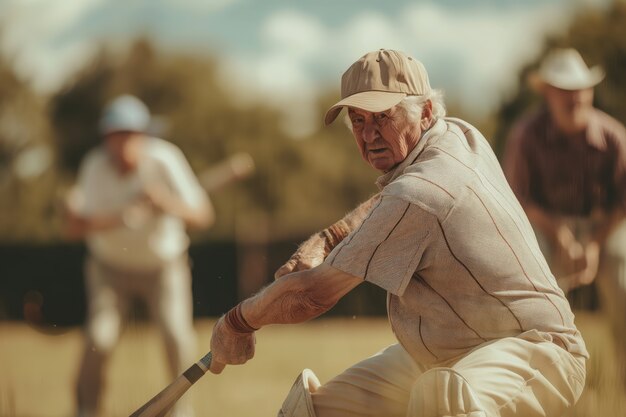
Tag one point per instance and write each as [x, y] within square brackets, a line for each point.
[612, 220]
[316, 248]
[200, 215]
[284, 302]
[298, 297]
[77, 227]
[195, 217]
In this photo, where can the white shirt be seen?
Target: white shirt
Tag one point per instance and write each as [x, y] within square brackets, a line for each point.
[157, 237]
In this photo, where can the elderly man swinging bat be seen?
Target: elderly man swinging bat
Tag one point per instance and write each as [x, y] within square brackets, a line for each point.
[482, 327]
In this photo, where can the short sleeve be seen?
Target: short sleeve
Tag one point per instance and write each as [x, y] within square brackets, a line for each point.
[387, 247]
[183, 180]
[85, 198]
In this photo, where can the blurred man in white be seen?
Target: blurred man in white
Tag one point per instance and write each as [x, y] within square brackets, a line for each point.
[566, 163]
[135, 196]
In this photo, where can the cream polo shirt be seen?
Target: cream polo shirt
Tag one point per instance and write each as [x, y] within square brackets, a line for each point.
[159, 237]
[452, 246]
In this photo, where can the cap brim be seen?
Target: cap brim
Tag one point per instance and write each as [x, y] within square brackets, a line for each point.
[596, 75]
[373, 101]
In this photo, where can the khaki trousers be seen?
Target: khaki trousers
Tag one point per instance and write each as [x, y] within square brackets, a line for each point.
[515, 376]
[166, 292]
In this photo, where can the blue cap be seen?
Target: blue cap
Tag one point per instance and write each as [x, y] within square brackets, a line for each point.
[125, 113]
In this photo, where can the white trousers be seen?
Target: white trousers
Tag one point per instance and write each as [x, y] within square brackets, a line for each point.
[166, 292]
[515, 376]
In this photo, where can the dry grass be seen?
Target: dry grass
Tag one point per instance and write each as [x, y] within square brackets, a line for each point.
[37, 370]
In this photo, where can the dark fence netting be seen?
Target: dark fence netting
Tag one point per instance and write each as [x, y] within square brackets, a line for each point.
[44, 284]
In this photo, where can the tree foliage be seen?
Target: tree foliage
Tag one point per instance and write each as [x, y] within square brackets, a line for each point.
[299, 185]
[26, 160]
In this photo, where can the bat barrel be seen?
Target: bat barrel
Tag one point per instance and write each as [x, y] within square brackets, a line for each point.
[237, 166]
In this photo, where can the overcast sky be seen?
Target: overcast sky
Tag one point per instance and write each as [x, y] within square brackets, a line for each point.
[286, 51]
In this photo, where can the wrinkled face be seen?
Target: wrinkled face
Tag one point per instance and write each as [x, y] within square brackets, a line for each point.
[571, 110]
[124, 148]
[386, 138]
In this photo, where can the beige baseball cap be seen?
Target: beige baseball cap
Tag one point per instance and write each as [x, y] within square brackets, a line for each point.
[378, 81]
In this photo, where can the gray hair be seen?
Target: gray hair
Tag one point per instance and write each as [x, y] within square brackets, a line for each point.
[412, 107]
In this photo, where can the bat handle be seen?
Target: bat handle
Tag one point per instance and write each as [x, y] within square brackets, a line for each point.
[198, 369]
[160, 404]
[206, 361]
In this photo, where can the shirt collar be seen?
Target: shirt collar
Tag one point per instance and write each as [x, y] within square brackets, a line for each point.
[592, 135]
[436, 129]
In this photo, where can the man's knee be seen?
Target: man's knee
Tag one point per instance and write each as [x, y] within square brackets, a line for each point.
[102, 336]
[443, 392]
[298, 402]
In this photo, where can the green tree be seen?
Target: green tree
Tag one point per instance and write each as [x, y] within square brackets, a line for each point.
[26, 161]
[299, 185]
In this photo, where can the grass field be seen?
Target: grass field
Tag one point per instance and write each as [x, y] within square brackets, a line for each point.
[37, 370]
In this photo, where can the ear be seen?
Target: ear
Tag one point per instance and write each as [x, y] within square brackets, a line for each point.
[427, 115]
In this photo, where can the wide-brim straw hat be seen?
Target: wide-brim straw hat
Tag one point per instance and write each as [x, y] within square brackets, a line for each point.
[378, 81]
[565, 69]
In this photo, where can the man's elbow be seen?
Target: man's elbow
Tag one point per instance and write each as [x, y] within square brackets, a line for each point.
[203, 219]
[308, 297]
[73, 230]
[313, 305]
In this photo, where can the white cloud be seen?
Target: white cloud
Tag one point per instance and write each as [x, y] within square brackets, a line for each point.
[278, 80]
[474, 54]
[30, 31]
[298, 50]
[295, 42]
[294, 34]
[366, 32]
[488, 47]
[280, 73]
[273, 78]
[36, 21]
[201, 5]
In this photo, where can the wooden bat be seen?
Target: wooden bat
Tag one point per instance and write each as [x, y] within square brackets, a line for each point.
[161, 403]
[233, 168]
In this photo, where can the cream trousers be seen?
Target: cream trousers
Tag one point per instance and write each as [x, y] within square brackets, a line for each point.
[515, 376]
[167, 294]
